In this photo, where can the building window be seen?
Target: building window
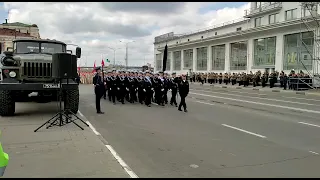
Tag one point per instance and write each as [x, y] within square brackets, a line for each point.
[168, 61]
[257, 22]
[291, 14]
[159, 62]
[188, 58]
[202, 57]
[188, 39]
[177, 60]
[308, 10]
[264, 51]
[239, 29]
[218, 57]
[273, 18]
[298, 50]
[216, 33]
[238, 57]
[258, 4]
[201, 37]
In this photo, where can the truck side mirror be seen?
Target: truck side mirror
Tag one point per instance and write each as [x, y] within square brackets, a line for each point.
[10, 49]
[78, 52]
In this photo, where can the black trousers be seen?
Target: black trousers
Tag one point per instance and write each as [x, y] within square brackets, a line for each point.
[183, 102]
[99, 93]
[165, 96]
[148, 94]
[133, 95]
[141, 95]
[112, 95]
[173, 99]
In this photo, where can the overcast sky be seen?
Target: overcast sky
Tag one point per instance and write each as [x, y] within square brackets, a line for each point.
[98, 25]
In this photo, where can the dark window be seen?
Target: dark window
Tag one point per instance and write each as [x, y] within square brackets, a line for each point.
[201, 37]
[188, 39]
[239, 29]
[216, 33]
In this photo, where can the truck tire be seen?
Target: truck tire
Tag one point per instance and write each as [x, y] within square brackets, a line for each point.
[7, 104]
[72, 100]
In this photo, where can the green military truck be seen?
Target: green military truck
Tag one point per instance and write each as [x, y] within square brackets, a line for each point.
[26, 69]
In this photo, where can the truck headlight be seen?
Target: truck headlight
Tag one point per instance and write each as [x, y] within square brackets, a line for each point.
[12, 74]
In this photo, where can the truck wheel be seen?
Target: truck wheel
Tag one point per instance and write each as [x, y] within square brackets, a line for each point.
[72, 100]
[7, 104]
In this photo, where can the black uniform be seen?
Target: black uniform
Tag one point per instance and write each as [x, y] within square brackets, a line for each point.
[141, 93]
[183, 91]
[99, 90]
[165, 91]
[132, 89]
[148, 89]
[173, 84]
[112, 87]
[121, 87]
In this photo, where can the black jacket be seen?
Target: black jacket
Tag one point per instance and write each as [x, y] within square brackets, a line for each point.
[183, 88]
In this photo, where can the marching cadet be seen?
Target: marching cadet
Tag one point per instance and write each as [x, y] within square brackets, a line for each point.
[264, 79]
[285, 81]
[121, 87]
[132, 88]
[159, 89]
[233, 79]
[174, 89]
[220, 77]
[110, 83]
[148, 89]
[99, 89]
[166, 88]
[183, 92]
[141, 93]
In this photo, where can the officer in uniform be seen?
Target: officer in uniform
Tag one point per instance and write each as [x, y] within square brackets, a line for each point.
[99, 89]
[173, 85]
[148, 89]
[183, 92]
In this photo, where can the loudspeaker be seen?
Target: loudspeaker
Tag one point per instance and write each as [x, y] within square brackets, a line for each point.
[64, 66]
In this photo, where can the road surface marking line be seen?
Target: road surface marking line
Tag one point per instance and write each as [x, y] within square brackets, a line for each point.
[112, 151]
[258, 135]
[313, 152]
[205, 103]
[261, 98]
[252, 102]
[309, 124]
[121, 162]
[301, 98]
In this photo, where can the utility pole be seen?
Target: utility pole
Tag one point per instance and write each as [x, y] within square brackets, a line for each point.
[126, 57]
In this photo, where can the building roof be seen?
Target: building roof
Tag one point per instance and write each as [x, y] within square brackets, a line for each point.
[12, 32]
[19, 24]
[39, 40]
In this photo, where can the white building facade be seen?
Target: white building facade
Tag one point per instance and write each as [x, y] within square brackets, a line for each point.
[271, 36]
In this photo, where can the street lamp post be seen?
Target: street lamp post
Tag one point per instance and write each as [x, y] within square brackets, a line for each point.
[126, 59]
[114, 54]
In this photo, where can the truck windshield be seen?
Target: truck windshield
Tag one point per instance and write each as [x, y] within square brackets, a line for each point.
[33, 47]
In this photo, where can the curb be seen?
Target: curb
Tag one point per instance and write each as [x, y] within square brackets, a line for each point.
[262, 90]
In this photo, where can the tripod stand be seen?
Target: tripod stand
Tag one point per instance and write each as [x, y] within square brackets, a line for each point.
[63, 117]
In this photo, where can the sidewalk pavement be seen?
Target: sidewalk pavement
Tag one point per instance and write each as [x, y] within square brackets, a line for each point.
[57, 152]
[260, 88]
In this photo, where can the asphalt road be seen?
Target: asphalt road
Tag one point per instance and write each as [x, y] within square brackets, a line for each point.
[226, 133]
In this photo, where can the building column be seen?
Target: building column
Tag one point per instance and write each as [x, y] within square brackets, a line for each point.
[227, 58]
[250, 53]
[194, 60]
[209, 60]
[171, 61]
[182, 60]
[279, 53]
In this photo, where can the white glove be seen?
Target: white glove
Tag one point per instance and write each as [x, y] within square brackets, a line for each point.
[144, 90]
[118, 88]
[136, 89]
[152, 89]
[110, 89]
[127, 89]
[162, 89]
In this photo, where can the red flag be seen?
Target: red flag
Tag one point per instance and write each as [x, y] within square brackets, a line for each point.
[102, 63]
[79, 69]
[94, 67]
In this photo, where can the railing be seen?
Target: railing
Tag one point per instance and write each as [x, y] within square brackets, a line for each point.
[203, 29]
[262, 8]
[300, 83]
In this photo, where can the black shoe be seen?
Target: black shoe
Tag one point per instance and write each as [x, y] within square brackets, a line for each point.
[149, 105]
[100, 112]
[176, 105]
[122, 102]
[185, 110]
[179, 109]
[171, 104]
[114, 103]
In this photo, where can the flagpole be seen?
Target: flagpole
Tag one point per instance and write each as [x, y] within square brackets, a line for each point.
[102, 68]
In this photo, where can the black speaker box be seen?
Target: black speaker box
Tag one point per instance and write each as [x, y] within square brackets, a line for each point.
[64, 66]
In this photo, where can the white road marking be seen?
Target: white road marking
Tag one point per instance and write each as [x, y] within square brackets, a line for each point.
[92, 128]
[258, 135]
[261, 98]
[264, 104]
[121, 162]
[205, 103]
[308, 124]
[112, 151]
[301, 98]
[313, 152]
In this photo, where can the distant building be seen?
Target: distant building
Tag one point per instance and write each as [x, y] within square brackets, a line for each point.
[270, 36]
[16, 30]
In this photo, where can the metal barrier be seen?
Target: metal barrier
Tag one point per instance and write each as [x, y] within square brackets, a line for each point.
[4, 159]
[299, 84]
